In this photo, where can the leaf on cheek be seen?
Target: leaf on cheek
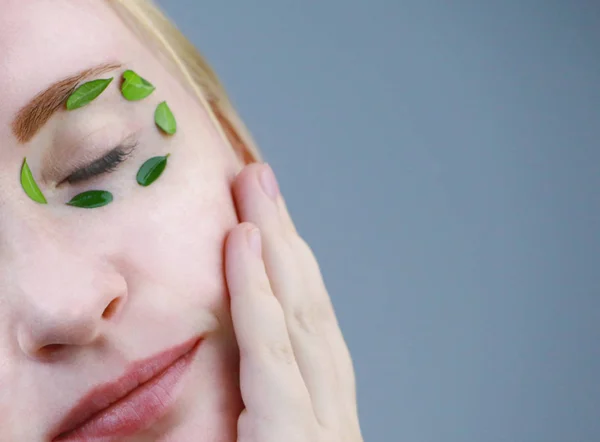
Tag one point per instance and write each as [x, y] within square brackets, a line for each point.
[151, 170]
[91, 199]
[30, 186]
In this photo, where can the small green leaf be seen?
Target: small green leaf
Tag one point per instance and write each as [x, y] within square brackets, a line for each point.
[134, 87]
[151, 170]
[30, 186]
[129, 74]
[164, 118]
[87, 92]
[91, 199]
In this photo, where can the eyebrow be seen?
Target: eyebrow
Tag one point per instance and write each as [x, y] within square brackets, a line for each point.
[32, 117]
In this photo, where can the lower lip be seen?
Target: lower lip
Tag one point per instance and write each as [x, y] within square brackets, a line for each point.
[139, 410]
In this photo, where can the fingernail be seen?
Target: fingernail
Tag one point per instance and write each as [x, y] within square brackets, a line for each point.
[254, 241]
[269, 183]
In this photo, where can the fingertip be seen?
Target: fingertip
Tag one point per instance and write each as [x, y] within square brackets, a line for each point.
[247, 235]
[238, 236]
[246, 179]
[254, 241]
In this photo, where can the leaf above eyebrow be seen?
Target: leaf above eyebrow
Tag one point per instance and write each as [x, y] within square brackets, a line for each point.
[30, 186]
[164, 118]
[151, 170]
[87, 92]
[91, 199]
[134, 87]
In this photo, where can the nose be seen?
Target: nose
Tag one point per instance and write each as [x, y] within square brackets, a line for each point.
[63, 297]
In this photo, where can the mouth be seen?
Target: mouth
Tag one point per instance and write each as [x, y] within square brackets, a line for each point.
[135, 401]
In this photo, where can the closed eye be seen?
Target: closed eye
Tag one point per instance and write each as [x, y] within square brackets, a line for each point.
[108, 163]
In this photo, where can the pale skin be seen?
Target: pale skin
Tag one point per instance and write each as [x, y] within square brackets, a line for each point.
[172, 260]
[297, 380]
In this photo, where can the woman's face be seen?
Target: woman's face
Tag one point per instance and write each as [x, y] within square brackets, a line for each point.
[84, 293]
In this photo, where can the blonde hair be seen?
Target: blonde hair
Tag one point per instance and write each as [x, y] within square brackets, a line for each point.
[147, 20]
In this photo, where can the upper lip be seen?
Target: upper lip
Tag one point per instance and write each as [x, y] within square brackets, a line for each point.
[137, 373]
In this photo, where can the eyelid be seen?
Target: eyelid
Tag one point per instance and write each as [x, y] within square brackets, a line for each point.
[107, 163]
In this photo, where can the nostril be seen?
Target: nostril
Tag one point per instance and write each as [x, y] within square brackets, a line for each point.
[111, 308]
[49, 350]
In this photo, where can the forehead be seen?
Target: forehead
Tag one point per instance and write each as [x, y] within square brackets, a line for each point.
[42, 41]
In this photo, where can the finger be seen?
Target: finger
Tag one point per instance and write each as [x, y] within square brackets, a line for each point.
[340, 354]
[297, 283]
[255, 207]
[270, 379]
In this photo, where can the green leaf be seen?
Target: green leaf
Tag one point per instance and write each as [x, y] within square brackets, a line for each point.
[87, 92]
[129, 74]
[91, 199]
[164, 118]
[30, 186]
[151, 170]
[134, 87]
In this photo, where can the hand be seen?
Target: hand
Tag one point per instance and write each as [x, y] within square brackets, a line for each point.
[296, 375]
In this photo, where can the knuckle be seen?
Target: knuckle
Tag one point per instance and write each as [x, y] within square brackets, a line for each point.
[306, 255]
[280, 351]
[263, 286]
[312, 318]
[288, 240]
[296, 241]
[290, 229]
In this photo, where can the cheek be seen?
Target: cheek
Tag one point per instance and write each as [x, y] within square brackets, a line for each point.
[174, 235]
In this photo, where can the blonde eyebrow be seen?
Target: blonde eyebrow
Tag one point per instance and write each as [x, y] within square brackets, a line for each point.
[32, 117]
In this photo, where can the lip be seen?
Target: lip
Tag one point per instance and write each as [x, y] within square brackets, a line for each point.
[131, 403]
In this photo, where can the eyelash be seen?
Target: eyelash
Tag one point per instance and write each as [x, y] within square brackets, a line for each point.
[108, 163]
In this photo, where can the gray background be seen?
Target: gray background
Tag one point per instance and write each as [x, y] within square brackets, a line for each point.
[442, 158]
